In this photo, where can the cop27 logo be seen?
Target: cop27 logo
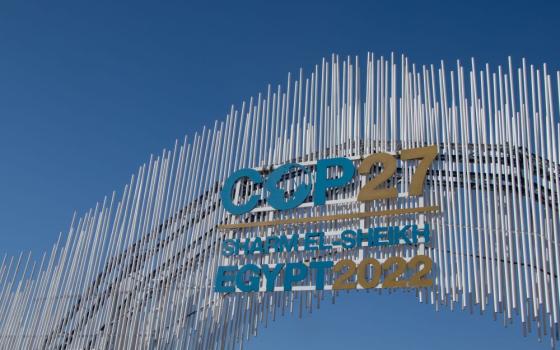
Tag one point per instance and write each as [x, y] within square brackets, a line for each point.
[322, 273]
[372, 190]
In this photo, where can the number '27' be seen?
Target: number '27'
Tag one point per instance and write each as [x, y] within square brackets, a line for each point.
[373, 189]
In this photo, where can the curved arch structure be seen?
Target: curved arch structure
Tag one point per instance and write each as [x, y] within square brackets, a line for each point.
[138, 271]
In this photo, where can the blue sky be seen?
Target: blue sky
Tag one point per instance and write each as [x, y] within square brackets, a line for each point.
[89, 89]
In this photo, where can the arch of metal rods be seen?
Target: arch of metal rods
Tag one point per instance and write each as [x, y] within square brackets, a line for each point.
[137, 271]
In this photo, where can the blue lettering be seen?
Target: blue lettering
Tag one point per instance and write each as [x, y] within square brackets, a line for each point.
[320, 266]
[323, 182]
[271, 275]
[277, 195]
[295, 272]
[252, 283]
[227, 191]
[348, 239]
[223, 276]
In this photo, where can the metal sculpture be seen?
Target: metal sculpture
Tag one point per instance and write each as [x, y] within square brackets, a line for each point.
[138, 272]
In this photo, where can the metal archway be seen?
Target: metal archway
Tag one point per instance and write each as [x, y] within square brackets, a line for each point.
[137, 272]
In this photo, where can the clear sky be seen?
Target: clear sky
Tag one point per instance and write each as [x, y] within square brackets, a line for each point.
[89, 89]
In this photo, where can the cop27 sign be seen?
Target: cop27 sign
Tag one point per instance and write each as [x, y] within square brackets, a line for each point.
[391, 272]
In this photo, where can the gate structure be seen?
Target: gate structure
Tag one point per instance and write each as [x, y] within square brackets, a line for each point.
[144, 269]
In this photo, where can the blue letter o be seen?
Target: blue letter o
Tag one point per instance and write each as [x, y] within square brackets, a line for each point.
[276, 197]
